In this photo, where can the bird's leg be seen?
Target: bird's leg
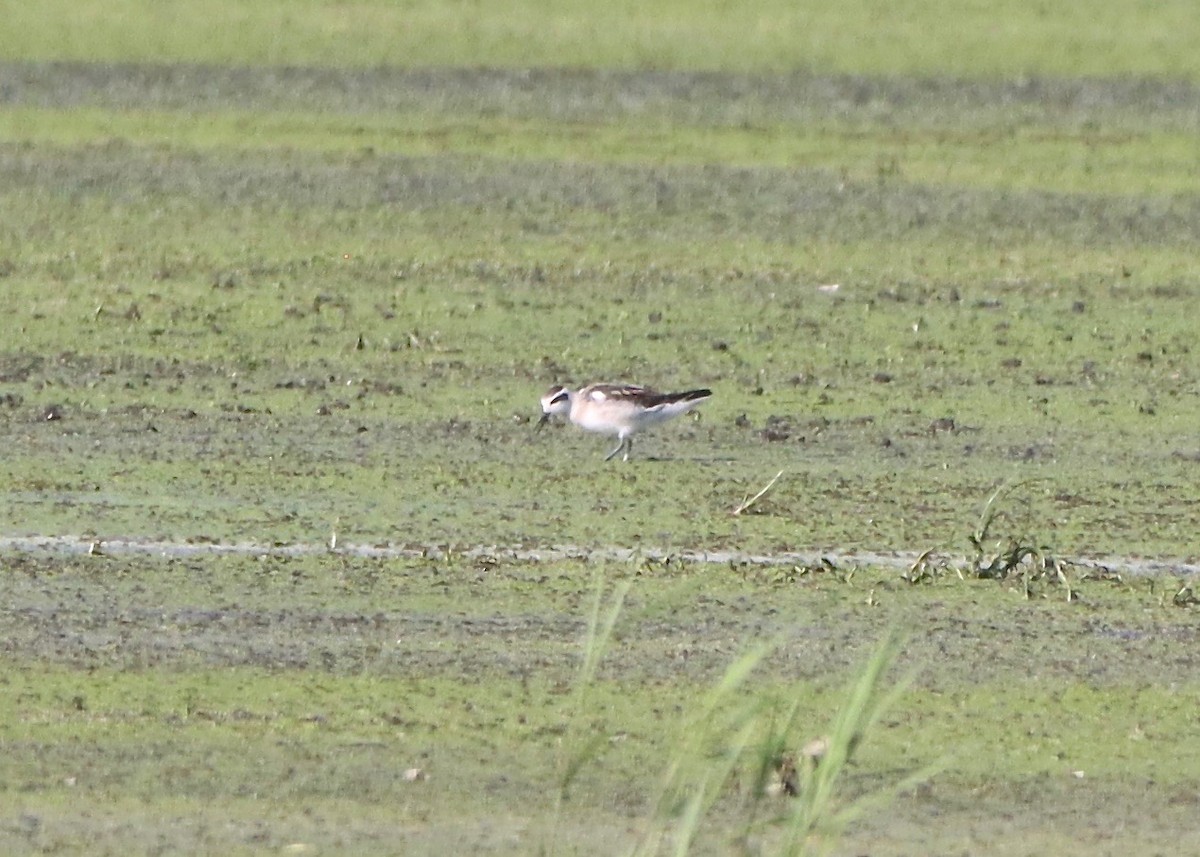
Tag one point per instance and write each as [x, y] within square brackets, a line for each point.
[612, 454]
[628, 447]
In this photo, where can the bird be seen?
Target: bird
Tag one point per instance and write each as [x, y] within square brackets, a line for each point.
[618, 409]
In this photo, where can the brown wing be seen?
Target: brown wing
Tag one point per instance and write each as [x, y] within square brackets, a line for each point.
[644, 396]
[619, 392]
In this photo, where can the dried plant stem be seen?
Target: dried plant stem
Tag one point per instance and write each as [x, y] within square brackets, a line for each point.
[746, 504]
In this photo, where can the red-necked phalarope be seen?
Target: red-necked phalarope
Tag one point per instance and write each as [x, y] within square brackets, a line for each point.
[620, 409]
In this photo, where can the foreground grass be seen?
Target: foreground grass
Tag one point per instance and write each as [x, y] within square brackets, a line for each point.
[273, 702]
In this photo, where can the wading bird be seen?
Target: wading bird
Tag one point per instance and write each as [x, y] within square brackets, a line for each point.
[618, 409]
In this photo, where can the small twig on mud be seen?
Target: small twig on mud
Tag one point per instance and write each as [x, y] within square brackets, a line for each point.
[989, 513]
[746, 504]
[921, 570]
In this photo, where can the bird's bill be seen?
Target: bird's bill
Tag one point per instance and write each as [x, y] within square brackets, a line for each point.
[545, 419]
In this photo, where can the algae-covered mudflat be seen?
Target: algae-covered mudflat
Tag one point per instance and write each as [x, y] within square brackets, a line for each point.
[279, 301]
[374, 706]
